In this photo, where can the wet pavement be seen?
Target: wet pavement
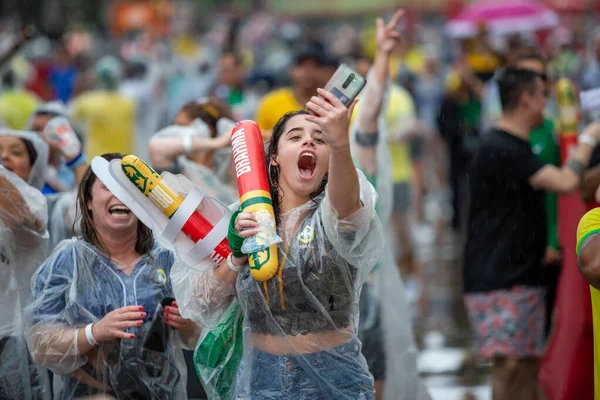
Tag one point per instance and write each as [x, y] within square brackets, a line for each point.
[441, 325]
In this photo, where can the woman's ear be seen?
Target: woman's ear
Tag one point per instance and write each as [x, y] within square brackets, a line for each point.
[275, 161]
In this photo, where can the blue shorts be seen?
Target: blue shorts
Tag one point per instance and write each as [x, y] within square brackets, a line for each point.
[339, 373]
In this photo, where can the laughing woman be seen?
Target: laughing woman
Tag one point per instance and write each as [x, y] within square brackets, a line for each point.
[103, 315]
[300, 327]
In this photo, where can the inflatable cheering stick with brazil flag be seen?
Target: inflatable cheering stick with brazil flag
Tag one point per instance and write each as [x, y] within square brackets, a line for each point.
[153, 186]
[250, 169]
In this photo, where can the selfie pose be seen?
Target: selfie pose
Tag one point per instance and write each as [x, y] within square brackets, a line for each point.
[103, 316]
[300, 326]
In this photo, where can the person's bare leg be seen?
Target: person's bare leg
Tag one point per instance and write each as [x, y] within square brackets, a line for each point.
[402, 231]
[515, 379]
[379, 385]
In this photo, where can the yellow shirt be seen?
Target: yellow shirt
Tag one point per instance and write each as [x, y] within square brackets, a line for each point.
[16, 107]
[588, 226]
[273, 106]
[400, 107]
[109, 122]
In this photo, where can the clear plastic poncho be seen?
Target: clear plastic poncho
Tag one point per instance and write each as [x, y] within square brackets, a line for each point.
[78, 285]
[23, 246]
[385, 321]
[61, 206]
[300, 327]
[37, 176]
[211, 182]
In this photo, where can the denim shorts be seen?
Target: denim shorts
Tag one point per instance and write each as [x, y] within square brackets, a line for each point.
[339, 373]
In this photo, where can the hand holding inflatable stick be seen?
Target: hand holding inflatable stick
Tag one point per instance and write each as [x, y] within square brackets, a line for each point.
[249, 160]
[152, 185]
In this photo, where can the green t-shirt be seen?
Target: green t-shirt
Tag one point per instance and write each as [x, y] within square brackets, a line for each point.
[546, 150]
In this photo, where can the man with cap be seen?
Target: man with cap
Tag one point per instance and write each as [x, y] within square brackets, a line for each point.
[306, 75]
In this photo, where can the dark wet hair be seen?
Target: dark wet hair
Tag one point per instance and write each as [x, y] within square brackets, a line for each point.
[527, 53]
[512, 83]
[31, 151]
[273, 171]
[145, 239]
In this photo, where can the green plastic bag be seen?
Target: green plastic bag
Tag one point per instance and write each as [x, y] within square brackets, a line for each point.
[218, 354]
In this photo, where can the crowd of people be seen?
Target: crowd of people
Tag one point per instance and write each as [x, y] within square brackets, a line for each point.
[95, 304]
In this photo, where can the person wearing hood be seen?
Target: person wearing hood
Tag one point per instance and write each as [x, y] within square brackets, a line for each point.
[23, 245]
[107, 116]
[64, 170]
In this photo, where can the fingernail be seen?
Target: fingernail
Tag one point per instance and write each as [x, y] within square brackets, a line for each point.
[140, 308]
[175, 304]
[167, 308]
[140, 322]
[131, 336]
[143, 315]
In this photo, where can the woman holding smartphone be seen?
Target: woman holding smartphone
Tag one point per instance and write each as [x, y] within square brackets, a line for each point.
[300, 327]
[101, 318]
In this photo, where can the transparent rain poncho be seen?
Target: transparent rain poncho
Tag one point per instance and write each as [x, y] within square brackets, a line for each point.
[299, 328]
[23, 246]
[78, 285]
[385, 320]
[210, 181]
[61, 206]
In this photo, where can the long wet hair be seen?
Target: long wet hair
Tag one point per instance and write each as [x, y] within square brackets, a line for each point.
[273, 170]
[145, 240]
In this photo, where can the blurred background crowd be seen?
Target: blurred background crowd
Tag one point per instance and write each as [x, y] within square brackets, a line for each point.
[123, 70]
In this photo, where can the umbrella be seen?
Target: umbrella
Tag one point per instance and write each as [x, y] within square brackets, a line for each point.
[502, 18]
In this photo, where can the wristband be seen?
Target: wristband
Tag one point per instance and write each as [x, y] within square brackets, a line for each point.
[231, 265]
[187, 143]
[79, 160]
[587, 139]
[89, 336]
[234, 238]
[367, 139]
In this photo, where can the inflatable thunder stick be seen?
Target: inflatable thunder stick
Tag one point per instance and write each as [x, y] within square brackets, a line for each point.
[152, 185]
[567, 116]
[249, 160]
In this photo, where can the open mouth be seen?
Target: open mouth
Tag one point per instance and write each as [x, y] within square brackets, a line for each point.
[119, 210]
[306, 165]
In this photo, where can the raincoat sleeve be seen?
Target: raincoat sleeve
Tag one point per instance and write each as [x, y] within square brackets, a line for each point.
[51, 338]
[202, 296]
[23, 245]
[23, 207]
[358, 238]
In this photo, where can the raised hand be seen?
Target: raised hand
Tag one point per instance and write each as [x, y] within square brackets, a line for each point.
[332, 116]
[388, 37]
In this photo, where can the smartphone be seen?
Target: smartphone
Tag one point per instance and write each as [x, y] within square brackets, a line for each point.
[158, 334]
[345, 84]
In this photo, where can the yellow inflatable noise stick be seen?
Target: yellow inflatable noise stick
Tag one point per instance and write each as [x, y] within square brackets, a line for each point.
[152, 185]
